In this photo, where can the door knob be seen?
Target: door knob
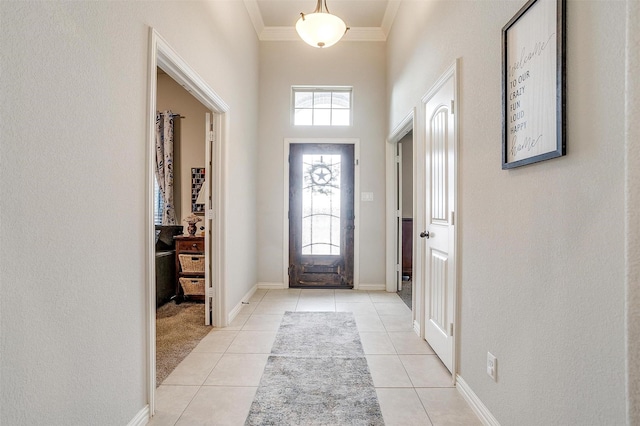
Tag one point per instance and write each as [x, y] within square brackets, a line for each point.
[424, 234]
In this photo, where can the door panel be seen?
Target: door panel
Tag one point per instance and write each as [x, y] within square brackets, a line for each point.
[438, 294]
[321, 215]
[440, 243]
[399, 243]
[209, 149]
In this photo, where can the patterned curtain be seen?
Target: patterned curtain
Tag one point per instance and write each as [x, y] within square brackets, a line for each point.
[164, 164]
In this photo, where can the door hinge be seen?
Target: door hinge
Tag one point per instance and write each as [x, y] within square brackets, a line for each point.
[451, 329]
[357, 162]
[398, 159]
[452, 105]
[453, 218]
[212, 136]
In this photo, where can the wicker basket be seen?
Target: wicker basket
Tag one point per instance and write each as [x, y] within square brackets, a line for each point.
[192, 262]
[192, 286]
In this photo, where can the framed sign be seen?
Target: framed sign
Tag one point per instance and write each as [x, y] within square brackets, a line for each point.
[533, 84]
[197, 182]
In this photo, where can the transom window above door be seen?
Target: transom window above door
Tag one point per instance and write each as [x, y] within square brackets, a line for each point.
[321, 106]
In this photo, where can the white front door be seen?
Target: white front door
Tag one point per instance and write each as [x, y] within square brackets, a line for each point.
[439, 236]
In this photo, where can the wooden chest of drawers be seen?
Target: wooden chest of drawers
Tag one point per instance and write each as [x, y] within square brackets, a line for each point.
[187, 245]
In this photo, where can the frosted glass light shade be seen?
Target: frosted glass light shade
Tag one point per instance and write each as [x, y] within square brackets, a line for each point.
[320, 29]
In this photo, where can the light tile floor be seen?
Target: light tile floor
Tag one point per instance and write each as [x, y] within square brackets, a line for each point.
[216, 383]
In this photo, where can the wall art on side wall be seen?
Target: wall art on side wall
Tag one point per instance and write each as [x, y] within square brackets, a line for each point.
[534, 84]
[197, 181]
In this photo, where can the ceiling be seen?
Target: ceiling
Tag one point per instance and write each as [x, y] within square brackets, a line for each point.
[368, 20]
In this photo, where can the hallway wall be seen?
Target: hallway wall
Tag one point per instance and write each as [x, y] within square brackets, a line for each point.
[74, 188]
[541, 247]
[286, 64]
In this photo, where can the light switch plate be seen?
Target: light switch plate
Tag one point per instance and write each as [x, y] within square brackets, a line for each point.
[492, 366]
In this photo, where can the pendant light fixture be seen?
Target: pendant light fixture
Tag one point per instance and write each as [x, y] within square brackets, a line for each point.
[320, 28]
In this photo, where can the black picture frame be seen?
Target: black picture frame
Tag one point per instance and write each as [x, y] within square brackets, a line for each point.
[534, 84]
[197, 181]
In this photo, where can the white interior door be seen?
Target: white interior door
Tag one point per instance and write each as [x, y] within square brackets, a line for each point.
[399, 216]
[208, 216]
[439, 235]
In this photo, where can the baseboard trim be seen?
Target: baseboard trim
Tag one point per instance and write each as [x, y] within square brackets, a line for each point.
[282, 286]
[140, 419]
[372, 287]
[416, 327]
[236, 309]
[272, 286]
[474, 402]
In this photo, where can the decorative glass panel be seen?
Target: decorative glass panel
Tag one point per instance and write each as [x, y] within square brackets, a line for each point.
[341, 100]
[303, 99]
[321, 205]
[322, 100]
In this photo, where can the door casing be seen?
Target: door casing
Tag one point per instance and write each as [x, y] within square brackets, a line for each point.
[393, 237]
[356, 203]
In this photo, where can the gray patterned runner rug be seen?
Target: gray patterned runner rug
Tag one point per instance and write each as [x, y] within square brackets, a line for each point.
[317, 374]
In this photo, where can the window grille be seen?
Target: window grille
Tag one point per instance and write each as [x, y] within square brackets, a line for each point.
[322, 106]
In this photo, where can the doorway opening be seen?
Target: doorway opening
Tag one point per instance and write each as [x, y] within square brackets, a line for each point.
[404, 179]
[182, 314]
[321, 215]
[331, 261]
[402, 189]
[163, 57]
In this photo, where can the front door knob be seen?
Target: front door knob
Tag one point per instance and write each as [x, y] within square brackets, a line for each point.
[424, 234]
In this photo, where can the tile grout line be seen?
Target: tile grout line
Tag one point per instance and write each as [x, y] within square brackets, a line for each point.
[408, 375]
[298, 304]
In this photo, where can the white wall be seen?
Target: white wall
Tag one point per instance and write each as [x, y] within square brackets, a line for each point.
[189, 140]
[285, 64]
[541, 247]
[73, 214]
[632, 228]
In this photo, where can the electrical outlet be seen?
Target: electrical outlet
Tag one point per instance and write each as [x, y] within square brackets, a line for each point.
[492, 366]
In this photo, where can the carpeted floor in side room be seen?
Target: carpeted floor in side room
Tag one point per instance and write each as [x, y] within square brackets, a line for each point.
[179, 329]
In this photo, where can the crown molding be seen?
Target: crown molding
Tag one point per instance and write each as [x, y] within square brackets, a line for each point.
[389, 16]
[365, 34]
[254, 14]
[278, 34]
[289, 33]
